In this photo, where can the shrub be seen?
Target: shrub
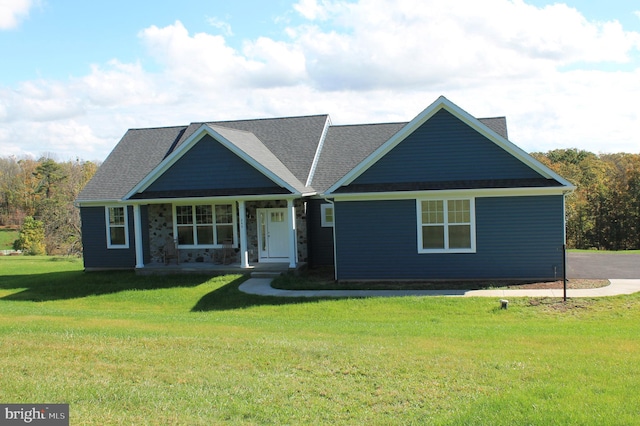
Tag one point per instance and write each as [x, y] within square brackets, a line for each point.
[31, 239]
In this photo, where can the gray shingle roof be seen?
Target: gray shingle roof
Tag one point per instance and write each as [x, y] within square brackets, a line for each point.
[134, 157]
[252, 146]
[293, 140]
[346, 146]
[497, 124]
[285, 146]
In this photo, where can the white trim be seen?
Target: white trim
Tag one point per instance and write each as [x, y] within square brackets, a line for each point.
[215, 200]
[446, 225]
[125, 226]
[323, 215]
[137, 231]
[293, 243]
[201, 132]
[244, 249]
[193, 226]
[462, 193]
[444, 103]
[316, 157]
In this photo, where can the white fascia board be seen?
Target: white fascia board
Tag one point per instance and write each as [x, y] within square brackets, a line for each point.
[413, 125]
[466, 193]
[403, 133]
[168, 162]
[187, 145]
[316, 157]
[214, 200]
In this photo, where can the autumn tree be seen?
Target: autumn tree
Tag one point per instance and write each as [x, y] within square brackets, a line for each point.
[45, 190]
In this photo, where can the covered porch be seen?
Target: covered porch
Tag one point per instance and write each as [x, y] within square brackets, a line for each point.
[216, 235]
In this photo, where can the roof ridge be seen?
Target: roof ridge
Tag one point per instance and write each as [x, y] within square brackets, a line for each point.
[369, 124]
[178, 126]
[213, 125]
[267, 118]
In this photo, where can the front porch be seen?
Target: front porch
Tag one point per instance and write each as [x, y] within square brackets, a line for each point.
[221, 235]
[257, 270]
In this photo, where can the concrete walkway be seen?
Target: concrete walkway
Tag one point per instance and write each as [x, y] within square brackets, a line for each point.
[262, 287]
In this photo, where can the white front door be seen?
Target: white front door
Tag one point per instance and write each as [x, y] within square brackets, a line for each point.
[273, 235]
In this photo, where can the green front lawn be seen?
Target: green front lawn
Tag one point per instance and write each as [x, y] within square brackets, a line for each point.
[7, 237]
[194, 350]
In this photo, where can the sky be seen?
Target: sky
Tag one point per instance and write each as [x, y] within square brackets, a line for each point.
[75, 75]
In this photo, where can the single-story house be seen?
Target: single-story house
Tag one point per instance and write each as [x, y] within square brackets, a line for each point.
[444, 196]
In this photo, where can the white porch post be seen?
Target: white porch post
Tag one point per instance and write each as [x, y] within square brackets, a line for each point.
[293, 243]
[137, 230]
[244, 250]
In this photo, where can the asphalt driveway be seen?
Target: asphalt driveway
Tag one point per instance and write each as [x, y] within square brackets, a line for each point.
[603, 266]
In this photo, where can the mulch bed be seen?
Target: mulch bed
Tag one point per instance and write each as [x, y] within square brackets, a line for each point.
[322, 279]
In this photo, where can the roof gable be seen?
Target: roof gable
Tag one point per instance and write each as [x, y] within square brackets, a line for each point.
[293, 140]
[243, 145]
[387, 165]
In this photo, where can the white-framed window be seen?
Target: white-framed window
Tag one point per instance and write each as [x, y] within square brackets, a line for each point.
[326, 215]
[117, 227]
[446, 225]
[205, 225]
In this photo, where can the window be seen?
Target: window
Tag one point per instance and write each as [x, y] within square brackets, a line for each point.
[446, 226]
[117, 229]
[326, 215]
[205, 225]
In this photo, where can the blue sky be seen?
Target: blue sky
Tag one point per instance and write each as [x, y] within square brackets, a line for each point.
[78, 74]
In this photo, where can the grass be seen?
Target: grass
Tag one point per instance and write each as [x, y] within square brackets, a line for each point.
[604, 251]
[7, 237]
[194, 350]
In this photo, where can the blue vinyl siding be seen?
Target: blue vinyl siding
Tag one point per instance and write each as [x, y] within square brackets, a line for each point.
[320, 238]
[208, 164]
[445, 149]
[517, 237]
[94, 240]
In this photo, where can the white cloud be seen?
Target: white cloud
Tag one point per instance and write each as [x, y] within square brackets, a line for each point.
[205, 61]
[12, 12]
[403, 43]
[37, 101]
[370, 61]
[223, 26]
[310, 9]
[118, 84]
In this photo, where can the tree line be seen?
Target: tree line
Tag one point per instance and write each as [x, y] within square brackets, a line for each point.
[37, 197]
[604, 211]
